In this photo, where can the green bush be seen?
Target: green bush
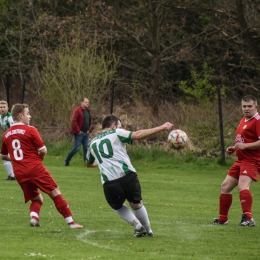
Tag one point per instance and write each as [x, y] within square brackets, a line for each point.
[69, 74]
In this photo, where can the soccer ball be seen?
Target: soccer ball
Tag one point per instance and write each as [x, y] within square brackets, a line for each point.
[177, 139]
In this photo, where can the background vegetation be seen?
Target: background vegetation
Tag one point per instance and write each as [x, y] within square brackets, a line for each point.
[168, 59]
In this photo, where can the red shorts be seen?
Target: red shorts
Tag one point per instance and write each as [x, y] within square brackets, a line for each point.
[246, 168]
[30, 188]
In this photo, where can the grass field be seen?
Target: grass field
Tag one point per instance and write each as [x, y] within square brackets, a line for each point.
[181, 199]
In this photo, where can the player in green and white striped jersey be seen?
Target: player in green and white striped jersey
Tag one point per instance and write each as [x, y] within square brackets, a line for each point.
[115, 162]
[118, 176]
[6, 120]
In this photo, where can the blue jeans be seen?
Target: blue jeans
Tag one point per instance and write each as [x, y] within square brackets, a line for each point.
[81, 139]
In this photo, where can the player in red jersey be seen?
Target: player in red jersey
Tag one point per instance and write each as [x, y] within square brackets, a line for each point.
[245, 169]
[26, 151]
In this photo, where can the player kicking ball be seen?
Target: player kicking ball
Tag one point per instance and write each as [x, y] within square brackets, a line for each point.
[118, 176]
[22, 144]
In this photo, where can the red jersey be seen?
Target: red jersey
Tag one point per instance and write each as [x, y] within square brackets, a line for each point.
[22, 143]
[77, 121]
[248, 131]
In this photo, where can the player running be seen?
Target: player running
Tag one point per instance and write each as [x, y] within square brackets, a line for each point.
[23, 145]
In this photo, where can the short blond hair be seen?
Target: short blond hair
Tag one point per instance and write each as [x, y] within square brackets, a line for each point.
[3, 102]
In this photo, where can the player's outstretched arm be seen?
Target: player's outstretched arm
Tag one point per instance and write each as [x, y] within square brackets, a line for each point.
[140, 134]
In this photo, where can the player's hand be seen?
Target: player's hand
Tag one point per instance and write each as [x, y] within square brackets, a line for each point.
[167, 126]
[230, 150]
[240, 146]
[41, 157]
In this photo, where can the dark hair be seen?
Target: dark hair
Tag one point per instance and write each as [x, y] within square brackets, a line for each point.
[249, 98]
[17, 109]
[82, 99]
[109, 120]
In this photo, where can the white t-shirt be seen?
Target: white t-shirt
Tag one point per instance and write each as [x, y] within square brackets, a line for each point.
[109, 150]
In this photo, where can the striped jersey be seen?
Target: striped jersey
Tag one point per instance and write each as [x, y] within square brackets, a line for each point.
[109, 150]
[6, 121]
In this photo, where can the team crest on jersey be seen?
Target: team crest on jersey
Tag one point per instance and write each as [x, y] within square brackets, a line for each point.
[245, 126]
[239, 139]
[257, 116]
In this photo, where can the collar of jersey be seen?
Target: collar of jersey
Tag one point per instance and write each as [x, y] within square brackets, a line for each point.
[19, 123]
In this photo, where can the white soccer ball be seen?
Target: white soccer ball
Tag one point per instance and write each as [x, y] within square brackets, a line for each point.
[177, 139]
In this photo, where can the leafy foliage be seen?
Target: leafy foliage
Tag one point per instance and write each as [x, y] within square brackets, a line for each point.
[158, 44]
[202, 89]
[71, 73]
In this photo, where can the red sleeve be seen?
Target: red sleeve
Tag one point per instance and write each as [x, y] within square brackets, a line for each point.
[258, 129]
[90, 121]
[37, 138]
[74, 121]
[4, 150]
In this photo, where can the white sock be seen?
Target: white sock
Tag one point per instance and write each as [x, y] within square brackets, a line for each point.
[126, 214]
[69, 219]
[34, 214]
[142, 215]
[9, 168]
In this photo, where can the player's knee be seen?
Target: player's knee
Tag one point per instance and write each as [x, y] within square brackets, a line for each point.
[136, 205]
[226, 188]
[116, 206]
[223, 188]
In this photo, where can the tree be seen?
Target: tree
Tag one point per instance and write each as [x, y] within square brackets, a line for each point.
[68, 74]
[139, 26]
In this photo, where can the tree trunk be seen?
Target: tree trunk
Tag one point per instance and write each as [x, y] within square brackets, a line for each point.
[245, 31]
[155, 83]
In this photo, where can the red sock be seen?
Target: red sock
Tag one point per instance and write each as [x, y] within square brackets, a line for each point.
[62, 206]
[225, 201]
[35, 207]
[246, 201]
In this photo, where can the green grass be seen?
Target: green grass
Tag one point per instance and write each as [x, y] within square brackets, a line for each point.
[181, 196]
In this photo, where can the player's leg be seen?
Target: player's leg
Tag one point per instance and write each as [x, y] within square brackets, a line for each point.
[134, 196]
[142, 215]
[126, 214]
[248, 174]
[9, 168]
[63, 207]
[48, 185]
[35, 208]
[132, 190]
[115, 197]
[32, 194]
[225, 199]
[77, 144]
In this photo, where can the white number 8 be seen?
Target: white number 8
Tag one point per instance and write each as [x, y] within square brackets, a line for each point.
[18, 152]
